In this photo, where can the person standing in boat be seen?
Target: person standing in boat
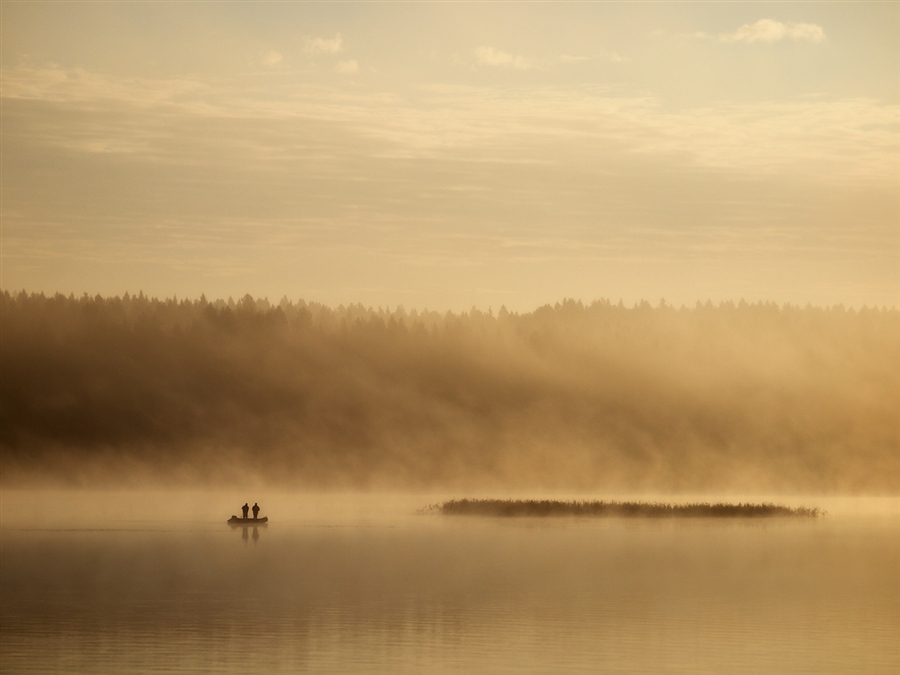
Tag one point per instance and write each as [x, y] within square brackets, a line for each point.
[245, 508]
[255, 511]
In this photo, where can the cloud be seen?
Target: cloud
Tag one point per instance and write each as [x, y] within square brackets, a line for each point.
[347, 67]
[217, 167]
[767, 30]
[834, 140]
[494, 57]
[612, 58]
[272, 58]
[317, 45]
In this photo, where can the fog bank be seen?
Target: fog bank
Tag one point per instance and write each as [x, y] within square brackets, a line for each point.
[567, 397]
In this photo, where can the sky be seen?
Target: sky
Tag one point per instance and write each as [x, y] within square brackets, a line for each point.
[454, 154]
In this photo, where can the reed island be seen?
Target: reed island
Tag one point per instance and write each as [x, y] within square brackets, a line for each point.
[600, 508]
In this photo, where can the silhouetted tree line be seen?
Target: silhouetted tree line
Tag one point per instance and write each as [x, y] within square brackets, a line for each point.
[567, 396]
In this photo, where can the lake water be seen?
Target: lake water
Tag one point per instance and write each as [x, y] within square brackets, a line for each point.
[154, 582]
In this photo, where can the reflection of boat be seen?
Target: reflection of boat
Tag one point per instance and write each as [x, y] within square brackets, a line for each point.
[234, 520]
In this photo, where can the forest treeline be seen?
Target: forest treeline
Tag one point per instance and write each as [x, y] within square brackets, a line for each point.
[568, 397]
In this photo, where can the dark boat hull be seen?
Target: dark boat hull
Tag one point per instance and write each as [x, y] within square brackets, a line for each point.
[234, 520]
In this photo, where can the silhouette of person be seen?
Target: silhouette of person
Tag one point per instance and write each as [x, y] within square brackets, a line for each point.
[255, 511]
[244, 509]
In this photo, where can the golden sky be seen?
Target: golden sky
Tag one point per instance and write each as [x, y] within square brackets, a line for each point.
[446, 155]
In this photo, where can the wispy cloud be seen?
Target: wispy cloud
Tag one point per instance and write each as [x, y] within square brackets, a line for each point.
[319, 45]
[494, 57]
[611, 57]
[831, 139]
[272, 58]
[52, 83]
[347, 67]
[768, 30]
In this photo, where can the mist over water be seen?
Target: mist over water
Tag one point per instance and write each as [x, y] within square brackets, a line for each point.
[734, 398]
[154, 581]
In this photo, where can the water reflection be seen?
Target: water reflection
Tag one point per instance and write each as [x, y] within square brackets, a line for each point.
[249, 530]
[431, 594]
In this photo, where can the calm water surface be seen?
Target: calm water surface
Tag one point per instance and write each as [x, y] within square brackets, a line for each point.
[156, 582]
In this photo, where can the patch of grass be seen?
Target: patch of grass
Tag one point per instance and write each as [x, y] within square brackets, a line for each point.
[550, 507]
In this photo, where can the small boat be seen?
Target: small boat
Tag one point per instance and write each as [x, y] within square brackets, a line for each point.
[234, 520]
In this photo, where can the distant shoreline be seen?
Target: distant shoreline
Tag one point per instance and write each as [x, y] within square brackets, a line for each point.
[549, 507]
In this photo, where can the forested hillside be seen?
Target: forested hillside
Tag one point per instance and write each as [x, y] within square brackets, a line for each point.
[570, 396]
